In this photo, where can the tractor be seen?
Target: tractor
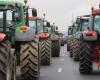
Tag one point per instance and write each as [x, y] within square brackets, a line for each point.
[44, 40]
[7, 39]
[16, 34]
[71, 39]
[54, 36]
[70, 30]
[81, 25]
[55, 41]
[90, 44]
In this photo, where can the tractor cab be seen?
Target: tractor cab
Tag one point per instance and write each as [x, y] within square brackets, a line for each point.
[41, 27]
[38, 22]
[80, 25]
[70, 30]
[95, 20]
[82, 22]
[9, 18]
[47, 27]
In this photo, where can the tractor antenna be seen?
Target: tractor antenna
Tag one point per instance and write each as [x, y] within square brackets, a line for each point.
[99, 5]
[92, 9]
[72, 19]
[44, 16]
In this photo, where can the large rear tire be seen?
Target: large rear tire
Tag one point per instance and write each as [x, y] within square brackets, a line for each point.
[45, 51]
[71, 44]
[5, 61]
[14, 64]
[71, 49]
[68, 44]
[76, 51]
[56, 48]
[30, 64]
[85, 66]
[68, 47]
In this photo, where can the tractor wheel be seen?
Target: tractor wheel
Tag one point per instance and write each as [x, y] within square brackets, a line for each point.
[30, 67]
[73, 42]
[45, 51]
[85, 66]
[71, 49]
[68, 47]
[56, 48]
[5, 61]
[71, 53]
[14, 64]
[76, 51]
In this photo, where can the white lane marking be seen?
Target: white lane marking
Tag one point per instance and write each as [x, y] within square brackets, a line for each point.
[62, 59]
[59, 70]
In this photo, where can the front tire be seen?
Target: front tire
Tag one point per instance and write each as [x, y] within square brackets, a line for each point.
[76, 51]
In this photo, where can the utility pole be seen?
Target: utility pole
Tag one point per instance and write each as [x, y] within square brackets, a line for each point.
[25, 1]
[44, 16]
[72, 19]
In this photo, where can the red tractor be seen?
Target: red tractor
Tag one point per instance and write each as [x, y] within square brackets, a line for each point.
[90, 44]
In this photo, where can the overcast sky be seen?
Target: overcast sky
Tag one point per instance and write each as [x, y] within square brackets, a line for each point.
[63, 11]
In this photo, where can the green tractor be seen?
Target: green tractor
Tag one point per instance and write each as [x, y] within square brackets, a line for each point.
[15, 34]
[55, 41]
[7, 39]
[90, 44]
[44, 41]
[80, 25]
[70, 30]
[71, 39]
[53, 32]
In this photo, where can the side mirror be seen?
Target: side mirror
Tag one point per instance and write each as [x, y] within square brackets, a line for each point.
[78, 20]
[34, 12]
[16, 5]
[88, 28]
[16, 17]
[48, 24]
[56, 28]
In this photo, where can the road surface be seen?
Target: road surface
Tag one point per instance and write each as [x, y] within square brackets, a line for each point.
[64, 68]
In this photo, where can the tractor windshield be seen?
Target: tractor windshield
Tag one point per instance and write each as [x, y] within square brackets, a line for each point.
[48, 29]
[39, 26]
[32, 24]
[97, 22]
[70, 30]
[9, 16]
[84, 26]
[75, 28]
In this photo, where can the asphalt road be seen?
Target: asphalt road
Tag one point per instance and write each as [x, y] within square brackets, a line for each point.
[64, 68]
